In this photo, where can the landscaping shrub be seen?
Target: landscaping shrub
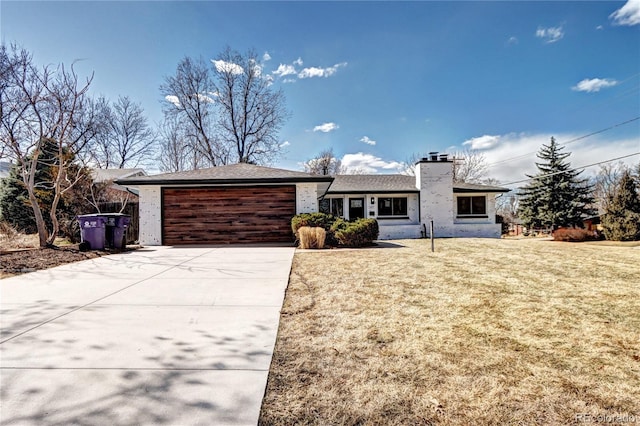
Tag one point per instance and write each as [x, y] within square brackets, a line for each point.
[313, 220]
[573, 235]
[311, 238]
[360, 233]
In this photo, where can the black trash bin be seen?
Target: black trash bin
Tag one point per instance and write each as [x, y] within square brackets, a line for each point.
[116, 229]
[92, 230]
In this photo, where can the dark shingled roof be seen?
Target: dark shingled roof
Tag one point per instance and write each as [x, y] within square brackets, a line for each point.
[394, 183]
[476, 187]
[373, 183]
[232, 173]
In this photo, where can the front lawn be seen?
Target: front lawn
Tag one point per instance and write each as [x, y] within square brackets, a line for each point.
[479, 332]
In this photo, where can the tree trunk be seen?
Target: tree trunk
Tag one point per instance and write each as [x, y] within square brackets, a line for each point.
[43, 234]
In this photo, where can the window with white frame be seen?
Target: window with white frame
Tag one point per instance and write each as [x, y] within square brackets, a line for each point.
[334, 206]
[472, 206]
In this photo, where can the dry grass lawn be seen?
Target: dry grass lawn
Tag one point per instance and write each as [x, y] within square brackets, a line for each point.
[479, 332]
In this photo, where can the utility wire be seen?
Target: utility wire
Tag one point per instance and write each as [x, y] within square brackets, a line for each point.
[568, 142]
[571, 170]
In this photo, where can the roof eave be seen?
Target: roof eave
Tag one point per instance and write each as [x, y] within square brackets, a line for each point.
[374, 191]
[178, 182]
[458, 190]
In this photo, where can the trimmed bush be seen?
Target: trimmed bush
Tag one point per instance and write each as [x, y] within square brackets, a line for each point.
[315, 220]
[311, 238]
[360, 233]
[312, 220]
[573, 235]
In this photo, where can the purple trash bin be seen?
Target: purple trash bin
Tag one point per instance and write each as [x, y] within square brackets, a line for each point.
[116, 230]
[92, 230]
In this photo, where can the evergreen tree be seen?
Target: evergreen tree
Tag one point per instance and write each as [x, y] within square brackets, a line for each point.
[16, 210]
[556, 197]
[14, 203]
[621, 221]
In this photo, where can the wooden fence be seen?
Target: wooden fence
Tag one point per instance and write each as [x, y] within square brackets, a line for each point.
[131, 209]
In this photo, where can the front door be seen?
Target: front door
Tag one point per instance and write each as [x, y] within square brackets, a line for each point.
[356, 208]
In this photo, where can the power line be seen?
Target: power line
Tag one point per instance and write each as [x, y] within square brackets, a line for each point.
[568, 142]
[571, 170]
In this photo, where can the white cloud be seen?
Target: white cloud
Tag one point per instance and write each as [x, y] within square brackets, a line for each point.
[285, 70]
[594, 84]
[629, 14]
[298, 62]
[223, 66]
[269, 79]
[482, 142]
[205, 98]
[551, 34]
[512, 40]
[368, 163]
[320, 72]
[173, 99]
[289, 80]
[368, 141]
[520, 150]
[266, 57]
[284, 144]
[599, 27]
[326, 127]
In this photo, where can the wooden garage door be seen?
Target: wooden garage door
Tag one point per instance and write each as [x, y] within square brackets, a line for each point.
[227, 215]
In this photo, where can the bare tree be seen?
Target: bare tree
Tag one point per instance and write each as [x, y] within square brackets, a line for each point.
[250, 112]
[468, 166]
[606, 183]
[189, 99]
[125, 138]
[325, 163]
[507, 207]
[229, 111]
[41, 106]
[176, 153]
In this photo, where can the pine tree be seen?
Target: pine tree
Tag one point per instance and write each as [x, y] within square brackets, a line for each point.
[16, 210]
[556, 197]
[621, 221]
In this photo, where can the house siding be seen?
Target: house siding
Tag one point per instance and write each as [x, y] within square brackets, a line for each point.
[150, 215]
[306, 198]
[390, 228]
[434, 179]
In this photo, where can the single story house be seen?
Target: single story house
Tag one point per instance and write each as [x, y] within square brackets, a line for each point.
[109, 176]
[247, 203]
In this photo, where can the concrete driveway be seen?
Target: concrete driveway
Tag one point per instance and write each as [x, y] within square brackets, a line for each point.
[162, 335]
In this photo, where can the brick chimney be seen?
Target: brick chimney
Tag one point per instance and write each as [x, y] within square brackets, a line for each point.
[434, 179]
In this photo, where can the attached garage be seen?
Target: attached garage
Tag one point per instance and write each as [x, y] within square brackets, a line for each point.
[237, 203]
[223, 215]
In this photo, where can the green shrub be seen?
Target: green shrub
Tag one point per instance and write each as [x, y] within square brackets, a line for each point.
[360, 233]
[312, 220]
[315, 220]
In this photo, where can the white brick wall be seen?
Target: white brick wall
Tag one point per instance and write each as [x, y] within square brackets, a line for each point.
[306, 198]
[434, 179]
[150, 216]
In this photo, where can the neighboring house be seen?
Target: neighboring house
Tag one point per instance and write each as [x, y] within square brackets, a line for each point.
[247, 203]
[117, 198]
[111, 175]
[593, 223]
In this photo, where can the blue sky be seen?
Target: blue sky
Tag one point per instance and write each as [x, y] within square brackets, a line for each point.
[378, 81]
